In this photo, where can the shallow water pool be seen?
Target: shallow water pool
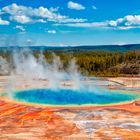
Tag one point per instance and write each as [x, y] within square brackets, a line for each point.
[66, 97]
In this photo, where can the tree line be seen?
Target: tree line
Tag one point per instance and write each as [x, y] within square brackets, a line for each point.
[100, 63]
[93, 63]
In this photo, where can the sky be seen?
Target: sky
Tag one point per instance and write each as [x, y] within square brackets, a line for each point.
[69, 22]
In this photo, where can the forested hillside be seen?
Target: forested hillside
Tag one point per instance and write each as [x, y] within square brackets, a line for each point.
[103, 63]
[91, 63]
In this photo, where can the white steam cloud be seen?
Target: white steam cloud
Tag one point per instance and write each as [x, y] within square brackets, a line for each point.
[31, 67]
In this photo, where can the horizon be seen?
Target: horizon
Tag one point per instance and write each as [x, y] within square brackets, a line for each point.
[71, 23]
[105, 48]
[57, 46]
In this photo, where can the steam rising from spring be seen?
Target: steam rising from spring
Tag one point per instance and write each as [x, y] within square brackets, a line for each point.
[28, 68]
[31, 67]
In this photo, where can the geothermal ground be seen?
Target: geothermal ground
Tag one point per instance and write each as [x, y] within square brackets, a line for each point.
[21, 121]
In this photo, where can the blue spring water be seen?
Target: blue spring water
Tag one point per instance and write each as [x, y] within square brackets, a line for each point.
[73, 97]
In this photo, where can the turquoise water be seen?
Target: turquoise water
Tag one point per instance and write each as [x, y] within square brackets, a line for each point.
[73, 97]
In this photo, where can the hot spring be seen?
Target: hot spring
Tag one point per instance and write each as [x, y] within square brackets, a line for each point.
[67, 97]
[37, 69]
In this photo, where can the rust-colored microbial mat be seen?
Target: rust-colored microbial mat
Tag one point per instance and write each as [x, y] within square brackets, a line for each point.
[24, 122]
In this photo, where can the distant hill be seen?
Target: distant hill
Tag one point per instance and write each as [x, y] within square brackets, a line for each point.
[112, 48]
[107, 60]
[122, 48]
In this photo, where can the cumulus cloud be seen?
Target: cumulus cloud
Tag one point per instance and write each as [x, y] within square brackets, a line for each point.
[23, 14]
[51, 31]
[75, 6]
[4, 22]
[126, 22]
[21, 19]
[112, 23]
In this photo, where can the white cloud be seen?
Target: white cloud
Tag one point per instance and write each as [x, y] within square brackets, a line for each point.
[21, 19]
[125, 23]
[132, 20]
[75, 20]
[75, 6]
[112, 23]
[94, 7]
[54, 9]
[24, 15]
[4, 22]
[51, 31]
[85, 25]
[20, 28]
[40, 20]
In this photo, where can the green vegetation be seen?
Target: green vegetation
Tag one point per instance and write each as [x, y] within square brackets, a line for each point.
[93, 63]
[102, 63]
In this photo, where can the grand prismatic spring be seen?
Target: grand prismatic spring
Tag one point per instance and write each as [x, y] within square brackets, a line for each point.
[69, 70]
[41, 100]
[66, 97]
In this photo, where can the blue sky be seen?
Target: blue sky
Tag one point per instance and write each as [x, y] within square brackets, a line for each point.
[69, 22]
